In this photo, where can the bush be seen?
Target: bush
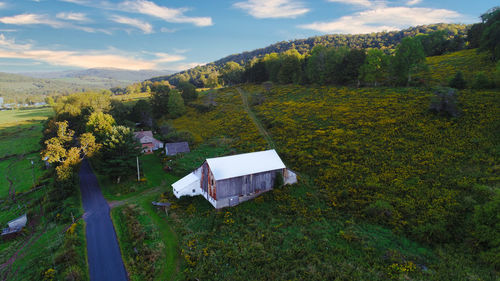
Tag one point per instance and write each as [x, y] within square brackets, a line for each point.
[486, 220]
[481, 81]
[178, 136]
[444, 102]
[278, 181]
[380, 210]
[73, 273]
[458, 82]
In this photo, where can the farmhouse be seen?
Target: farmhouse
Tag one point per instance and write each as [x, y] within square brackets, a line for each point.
[148, 142]
[230, 180]
[175, 148]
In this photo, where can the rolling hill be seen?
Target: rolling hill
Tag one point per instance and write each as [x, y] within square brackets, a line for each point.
[381, 40]
[35, 86]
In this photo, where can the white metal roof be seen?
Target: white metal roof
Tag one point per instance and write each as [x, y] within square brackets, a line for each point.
[245, 164]
[188, 185]
[185, 181]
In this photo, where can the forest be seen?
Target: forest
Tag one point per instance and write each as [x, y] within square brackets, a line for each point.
[444, 38]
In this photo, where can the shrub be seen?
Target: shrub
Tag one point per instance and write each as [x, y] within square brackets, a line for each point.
[380, 210]
[178, 136]
[486, 220]
[73, 273]
[481, 81]
[444, 102]
[278, 181]
[458, 82]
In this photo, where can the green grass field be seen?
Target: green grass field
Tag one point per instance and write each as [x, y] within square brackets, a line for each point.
[20, 133]
[43, 245]
[133, 208]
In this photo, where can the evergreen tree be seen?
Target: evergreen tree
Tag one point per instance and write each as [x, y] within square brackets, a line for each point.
[458, 81]
[118, 153]
[142, 112]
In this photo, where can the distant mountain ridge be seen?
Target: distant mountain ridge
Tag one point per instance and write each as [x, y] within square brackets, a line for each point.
[35, 86]
[106, 73]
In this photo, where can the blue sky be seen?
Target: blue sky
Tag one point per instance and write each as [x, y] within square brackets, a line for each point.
[51, 35]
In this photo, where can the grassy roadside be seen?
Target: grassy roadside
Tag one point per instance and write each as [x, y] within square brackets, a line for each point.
[144, 234]
[171, 268]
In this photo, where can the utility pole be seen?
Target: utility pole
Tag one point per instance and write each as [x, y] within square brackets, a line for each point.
[138, 173]
[33, 172]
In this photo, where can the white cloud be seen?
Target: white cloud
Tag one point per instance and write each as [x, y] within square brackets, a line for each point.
[73, 16]
[413, 2]
[36, 19]
[384, 19]
[167, 14]
[272, 8]
[145, 7]
[147, 28]
[183, 66]
[79, 2]
[164, 58]
[29, 19]
[86, 59]
[2, 4]
[364, 3]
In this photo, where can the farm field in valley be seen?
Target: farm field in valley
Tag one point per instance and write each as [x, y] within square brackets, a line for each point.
[38, 249]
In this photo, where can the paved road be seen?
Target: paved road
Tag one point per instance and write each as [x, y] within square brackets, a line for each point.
[105, 260]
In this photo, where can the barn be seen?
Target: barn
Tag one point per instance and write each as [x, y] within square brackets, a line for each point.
[230, 180]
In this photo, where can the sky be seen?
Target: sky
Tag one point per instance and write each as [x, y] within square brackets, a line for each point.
[54, 35]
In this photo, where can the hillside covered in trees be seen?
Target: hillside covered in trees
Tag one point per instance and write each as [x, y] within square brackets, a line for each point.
[207, 75]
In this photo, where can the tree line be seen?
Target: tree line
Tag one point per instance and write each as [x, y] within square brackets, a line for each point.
[445, 38]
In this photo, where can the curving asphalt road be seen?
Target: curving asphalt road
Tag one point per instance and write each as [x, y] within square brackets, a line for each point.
[104, 257]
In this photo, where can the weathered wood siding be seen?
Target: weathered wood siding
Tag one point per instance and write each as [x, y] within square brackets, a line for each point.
[247, 184]
[208, 183]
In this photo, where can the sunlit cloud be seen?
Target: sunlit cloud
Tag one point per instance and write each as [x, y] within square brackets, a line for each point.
[183, 66]
[31, 19]
[73, 16]
[272, 8]
[147, 28]
[413, 2]
[364, 3]
[164, 57]
[384, 19]
[172, 15]
[90, 58]
[37, 19]
[167, 14]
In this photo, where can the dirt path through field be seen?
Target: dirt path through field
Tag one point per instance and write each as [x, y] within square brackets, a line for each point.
[255, 120]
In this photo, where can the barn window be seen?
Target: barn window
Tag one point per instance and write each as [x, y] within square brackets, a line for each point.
[193, 190]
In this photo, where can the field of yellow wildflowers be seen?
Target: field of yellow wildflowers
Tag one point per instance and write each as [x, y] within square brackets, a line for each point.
[375, 166]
